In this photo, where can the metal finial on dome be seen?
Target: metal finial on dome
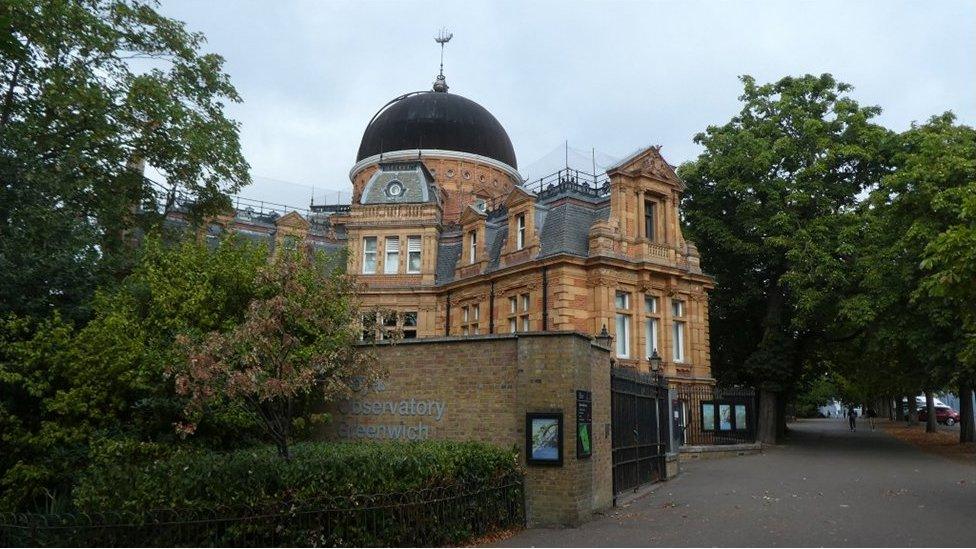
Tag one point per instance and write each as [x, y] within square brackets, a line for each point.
[443, 37]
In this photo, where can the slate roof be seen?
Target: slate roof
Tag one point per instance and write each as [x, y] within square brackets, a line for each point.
[448, 254]
[567, 228]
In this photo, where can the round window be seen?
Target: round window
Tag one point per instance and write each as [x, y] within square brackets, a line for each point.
[394, 189]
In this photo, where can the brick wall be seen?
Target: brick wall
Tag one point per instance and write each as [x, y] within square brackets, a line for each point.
[480, 388]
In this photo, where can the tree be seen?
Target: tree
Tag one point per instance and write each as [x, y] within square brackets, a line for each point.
[770, 203]
[90, 92]
[64, 388]
[946, 153]
[294, 351]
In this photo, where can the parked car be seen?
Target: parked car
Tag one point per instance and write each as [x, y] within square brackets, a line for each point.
[943, 414]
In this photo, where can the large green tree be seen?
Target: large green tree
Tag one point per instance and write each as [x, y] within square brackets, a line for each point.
[62, 388]
[770, 203]
[90, 92]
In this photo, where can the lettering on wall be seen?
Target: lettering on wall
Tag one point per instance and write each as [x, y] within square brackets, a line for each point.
[407, 418]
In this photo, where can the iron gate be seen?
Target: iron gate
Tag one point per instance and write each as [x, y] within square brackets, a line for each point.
[640, 428]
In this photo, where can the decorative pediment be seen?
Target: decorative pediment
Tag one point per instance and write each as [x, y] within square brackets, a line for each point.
[292, 219]
[471, 215]
[517, 196]
[648, 163]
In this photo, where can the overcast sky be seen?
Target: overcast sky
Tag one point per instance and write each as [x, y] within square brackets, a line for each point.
[614, 76]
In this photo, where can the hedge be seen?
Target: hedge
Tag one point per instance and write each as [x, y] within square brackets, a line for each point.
[140, 477]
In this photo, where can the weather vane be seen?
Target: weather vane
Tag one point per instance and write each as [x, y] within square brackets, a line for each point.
[443, 37]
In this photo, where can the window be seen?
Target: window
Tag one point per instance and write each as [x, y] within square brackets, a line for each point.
[678, 326]
[409, 323]
[520, 232]
[470, 317]
[391, 265]
[472, 247]
[414, 247]
[651, 323]
[622, 302]
[389, 326]
[368, 324]
[518, 313]
[369, 255]
[649, 219]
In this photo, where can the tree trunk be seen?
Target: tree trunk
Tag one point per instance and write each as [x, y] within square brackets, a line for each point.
[912, 410]
[967, 424]
[899, 411]
[780, 416]
[930, 424]
[766, 430]
[891, 408]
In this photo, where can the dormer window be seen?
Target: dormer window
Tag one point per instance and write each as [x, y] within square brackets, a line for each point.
[649, 219]
[520, 232]
[472, 247]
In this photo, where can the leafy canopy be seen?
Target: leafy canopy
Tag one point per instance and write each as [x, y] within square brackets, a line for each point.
[770, 203]
[90, 92]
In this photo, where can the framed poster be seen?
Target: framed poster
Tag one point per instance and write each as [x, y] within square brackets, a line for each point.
[708, 416]
[544, 438]
[741, 423]
[584, 424]
[725, 417]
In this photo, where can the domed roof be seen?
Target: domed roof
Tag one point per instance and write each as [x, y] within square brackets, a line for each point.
[437, 120]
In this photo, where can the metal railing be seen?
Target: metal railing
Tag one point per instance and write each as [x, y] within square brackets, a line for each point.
[438, 516]
[595, 185]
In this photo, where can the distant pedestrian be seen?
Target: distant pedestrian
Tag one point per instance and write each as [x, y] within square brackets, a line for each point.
[871, 415]
[852, 418]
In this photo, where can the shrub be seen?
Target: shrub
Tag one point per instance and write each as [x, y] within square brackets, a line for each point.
[138, 479]
[378, 494]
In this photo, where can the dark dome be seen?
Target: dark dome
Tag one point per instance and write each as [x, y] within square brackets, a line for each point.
[437, 120]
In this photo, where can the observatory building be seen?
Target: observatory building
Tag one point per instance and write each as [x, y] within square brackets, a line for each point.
[443, 229]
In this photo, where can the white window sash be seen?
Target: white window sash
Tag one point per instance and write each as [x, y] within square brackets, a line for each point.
[623, 335]
[651, 335]
[679, 342]
[391, 265]
[414, 249]
[369, 255]
[520, 231]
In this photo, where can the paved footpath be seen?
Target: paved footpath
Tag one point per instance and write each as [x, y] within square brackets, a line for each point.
[826, 487]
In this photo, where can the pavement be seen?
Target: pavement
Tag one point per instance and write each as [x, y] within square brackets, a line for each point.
[826, 486]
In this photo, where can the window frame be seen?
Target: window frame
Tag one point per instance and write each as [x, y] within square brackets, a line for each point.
[623, 318]
[520, 231]
[387, 253]
[374, 253]
[411, 251]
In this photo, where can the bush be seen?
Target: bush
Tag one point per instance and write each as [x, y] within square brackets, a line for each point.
[127, 478]
[338, 494]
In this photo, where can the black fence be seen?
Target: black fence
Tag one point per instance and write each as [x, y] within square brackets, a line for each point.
[440, 516]
[709, 415]
[639, 403]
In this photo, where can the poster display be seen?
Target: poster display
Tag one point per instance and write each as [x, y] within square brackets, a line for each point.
[740, 417]
[544, 438]
[708, 416]
[725, 417]
[584, 424]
